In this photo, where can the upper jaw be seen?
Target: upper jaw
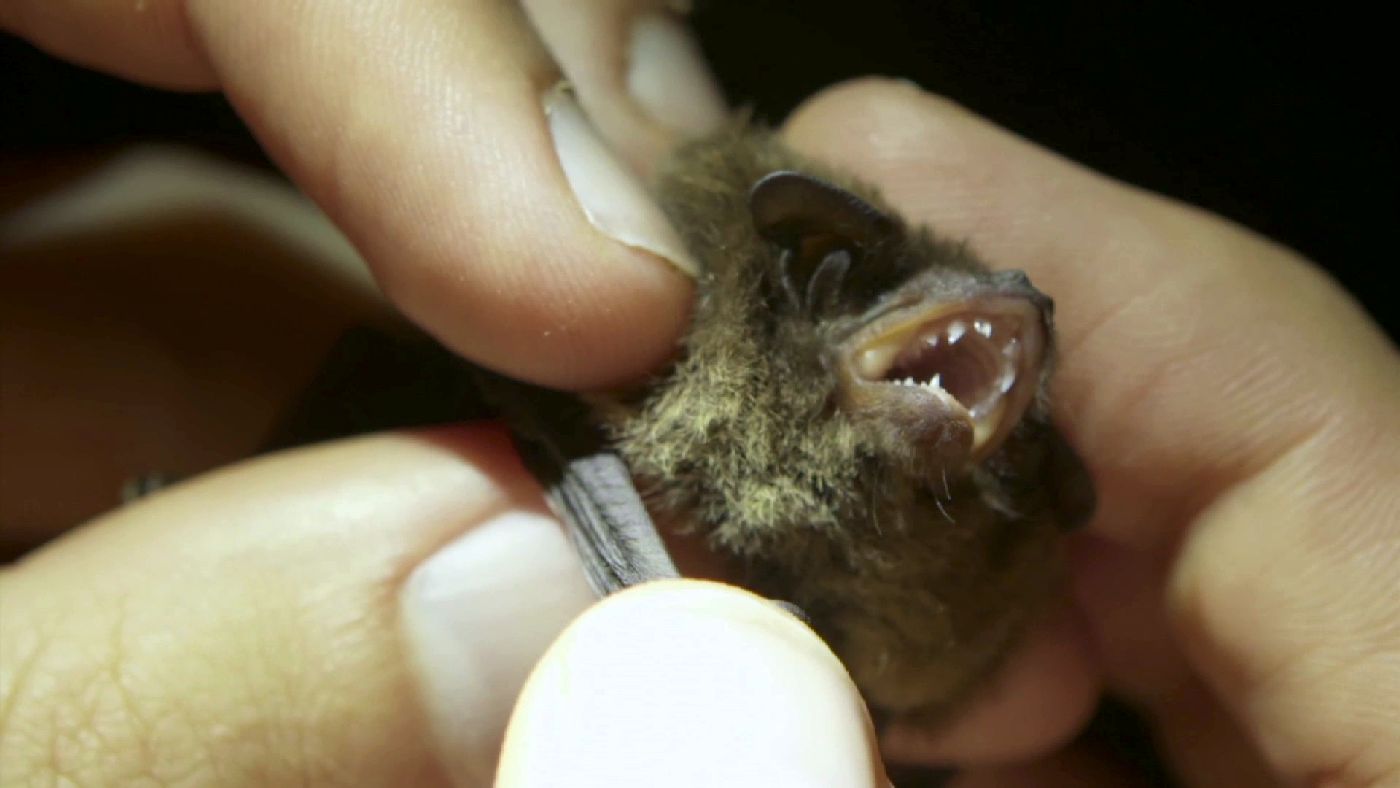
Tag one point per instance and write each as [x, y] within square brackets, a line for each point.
[967, 368]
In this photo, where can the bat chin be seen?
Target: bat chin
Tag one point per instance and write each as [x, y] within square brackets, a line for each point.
[961, 373]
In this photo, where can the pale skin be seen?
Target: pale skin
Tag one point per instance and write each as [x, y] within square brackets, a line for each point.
[1236, 409]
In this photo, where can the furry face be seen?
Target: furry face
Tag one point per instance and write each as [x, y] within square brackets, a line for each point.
[857, 420]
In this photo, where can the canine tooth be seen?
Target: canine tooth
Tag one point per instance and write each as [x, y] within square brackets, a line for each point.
[873, 362]
[982, 327]
[937, 381]
[1008, 379]
[956, 329]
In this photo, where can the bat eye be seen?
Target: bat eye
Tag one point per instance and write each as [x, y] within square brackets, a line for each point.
[976, 362]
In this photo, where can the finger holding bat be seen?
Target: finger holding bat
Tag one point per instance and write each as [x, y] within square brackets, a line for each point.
[491, 210]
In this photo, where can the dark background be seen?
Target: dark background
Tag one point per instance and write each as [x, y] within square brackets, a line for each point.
[1266, 116]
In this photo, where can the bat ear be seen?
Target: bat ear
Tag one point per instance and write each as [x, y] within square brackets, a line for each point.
[788, 206]
[821, 228]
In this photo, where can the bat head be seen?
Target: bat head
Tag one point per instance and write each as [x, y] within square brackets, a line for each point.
[928, 350]
[856, 420]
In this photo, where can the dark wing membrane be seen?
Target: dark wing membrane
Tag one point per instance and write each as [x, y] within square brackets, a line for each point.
[593, 494]
[377, 380]
[588, 485]
[374, 380]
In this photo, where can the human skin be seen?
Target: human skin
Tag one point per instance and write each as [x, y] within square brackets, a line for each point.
[262, 625]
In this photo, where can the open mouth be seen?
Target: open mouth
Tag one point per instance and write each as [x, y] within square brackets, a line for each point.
[980, 360]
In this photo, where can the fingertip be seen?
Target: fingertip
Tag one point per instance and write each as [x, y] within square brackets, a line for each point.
[880, 111]
[474, 616]
[689, 683]
[557, 268]
[638, 71]
[875, 92]
[586, 317]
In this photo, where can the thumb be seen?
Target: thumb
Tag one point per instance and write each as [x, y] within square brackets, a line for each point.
[244, 628]
[689, 683]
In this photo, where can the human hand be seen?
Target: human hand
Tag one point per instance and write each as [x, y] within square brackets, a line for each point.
[1238, 584]
[500, 225]
[420, 128]
[273, 624]
[1238, 413]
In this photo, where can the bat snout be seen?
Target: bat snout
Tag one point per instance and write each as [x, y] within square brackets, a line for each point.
[976, 362]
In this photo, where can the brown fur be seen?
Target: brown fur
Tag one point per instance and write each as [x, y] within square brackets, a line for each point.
[920, 587]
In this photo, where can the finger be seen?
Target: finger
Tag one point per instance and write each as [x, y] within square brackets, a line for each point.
[689, 683]
[513, 234]
[1121, 590]
[638, 72]
[1052, 673]
[1228, 397]
[245, 627]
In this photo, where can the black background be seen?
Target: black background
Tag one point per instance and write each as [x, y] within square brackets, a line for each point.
[1270, 117]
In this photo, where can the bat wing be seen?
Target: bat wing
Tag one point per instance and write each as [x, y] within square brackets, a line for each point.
[590, 488]
[375, 380]
[593, 494]
[587, 485]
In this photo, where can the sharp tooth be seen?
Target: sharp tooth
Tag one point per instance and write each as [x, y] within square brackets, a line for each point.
[873, 362]
[1008, 379]
[955, 330]
[982, 327]
[937, 381]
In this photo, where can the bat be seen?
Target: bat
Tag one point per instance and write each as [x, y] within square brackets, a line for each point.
[856, 422]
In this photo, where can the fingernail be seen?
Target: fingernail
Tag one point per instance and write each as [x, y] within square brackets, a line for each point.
[613, 199]
[475, 616]
[688, 683]
[668, 77]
